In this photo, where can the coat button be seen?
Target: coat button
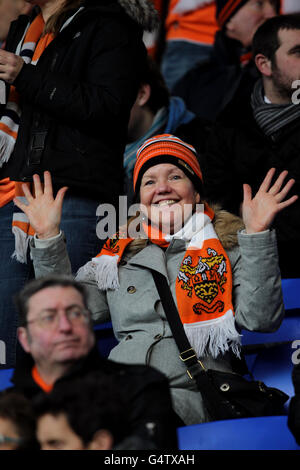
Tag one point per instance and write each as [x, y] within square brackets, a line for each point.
[225, 387]
[131, 290]
[128, 337]
[123, 262]
[158, 336]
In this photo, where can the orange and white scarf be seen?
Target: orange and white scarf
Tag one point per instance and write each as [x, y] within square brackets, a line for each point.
[203, 284]
[30, 49]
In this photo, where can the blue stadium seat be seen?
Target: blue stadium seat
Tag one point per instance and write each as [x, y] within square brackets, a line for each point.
[291, 293]
[105, 338]
[5, 376]
[266, 433]
[274, 367]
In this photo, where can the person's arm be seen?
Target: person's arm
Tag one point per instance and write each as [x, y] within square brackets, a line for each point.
[107, 88]
[48, 248]
[257, 294]
[50, 256]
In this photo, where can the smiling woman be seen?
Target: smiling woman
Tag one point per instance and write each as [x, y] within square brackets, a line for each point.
[221, 280]
[168, 196]
[168, 180]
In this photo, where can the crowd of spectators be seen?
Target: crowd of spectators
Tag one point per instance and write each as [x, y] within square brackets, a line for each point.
[190, 109]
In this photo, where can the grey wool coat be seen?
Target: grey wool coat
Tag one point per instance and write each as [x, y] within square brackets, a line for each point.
[137, 315]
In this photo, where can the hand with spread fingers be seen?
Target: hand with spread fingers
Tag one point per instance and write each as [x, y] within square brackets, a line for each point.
[43, 210]
[260, 211]
[10, 66]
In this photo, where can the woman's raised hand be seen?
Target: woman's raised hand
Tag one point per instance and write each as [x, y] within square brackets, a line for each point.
[42, 210]
[259, 212]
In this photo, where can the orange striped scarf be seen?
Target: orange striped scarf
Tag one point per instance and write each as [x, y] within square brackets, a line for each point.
[30, 49]
[203, 284]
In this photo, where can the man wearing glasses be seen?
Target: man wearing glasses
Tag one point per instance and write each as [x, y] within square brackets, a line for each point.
[56, 333]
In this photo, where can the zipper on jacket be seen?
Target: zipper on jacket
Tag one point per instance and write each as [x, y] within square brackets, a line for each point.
[53, 62]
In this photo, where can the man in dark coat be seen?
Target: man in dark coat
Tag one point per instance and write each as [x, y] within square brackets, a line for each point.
[209, 87]
[264, 132]
[57, 336]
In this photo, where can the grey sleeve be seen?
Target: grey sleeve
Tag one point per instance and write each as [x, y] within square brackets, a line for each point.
[257, 294]
[54, 259]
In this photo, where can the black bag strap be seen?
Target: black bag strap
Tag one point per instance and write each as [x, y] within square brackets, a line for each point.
[218, 407]
[186, 352]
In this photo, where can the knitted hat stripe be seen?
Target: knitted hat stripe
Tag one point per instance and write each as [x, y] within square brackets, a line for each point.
[228, 10]
[154, 151]
[165, 138]
[180, 159]
[170, 146]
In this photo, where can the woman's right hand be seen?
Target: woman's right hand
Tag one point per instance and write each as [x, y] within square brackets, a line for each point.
[42, 210]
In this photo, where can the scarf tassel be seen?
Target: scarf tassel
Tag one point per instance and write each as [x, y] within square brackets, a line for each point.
[103, 270]
[6, 147]
[21, 245]
[215, 338]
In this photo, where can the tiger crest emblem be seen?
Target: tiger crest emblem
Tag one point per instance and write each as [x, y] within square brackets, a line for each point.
[206, 279]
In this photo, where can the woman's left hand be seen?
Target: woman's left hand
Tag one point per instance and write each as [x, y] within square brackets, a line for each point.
[259, 212]
[10, 66]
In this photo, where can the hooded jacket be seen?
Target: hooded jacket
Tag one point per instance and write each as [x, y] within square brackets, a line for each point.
[76, 100]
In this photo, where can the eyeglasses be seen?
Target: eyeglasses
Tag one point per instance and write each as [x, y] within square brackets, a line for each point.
[49, 319]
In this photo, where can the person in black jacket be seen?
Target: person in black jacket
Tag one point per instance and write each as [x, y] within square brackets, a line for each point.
[60, 345]
[264, 132]
[209, 87]
[87, 413]
[72, 72]
[294, 408]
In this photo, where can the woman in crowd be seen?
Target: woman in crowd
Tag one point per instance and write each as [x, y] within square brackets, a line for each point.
[221, 281]
[71, 70]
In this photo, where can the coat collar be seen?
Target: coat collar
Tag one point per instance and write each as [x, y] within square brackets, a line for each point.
[154, 258]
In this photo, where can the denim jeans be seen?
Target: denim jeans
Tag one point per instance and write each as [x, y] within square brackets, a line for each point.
[79, 225]
[180, 57]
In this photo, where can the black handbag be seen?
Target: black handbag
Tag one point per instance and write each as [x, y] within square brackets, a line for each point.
[226, 395]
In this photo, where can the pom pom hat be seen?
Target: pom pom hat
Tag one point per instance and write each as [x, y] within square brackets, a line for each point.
[167, 148]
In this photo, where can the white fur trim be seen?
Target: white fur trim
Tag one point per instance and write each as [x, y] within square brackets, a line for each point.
[214, 337]
[103, 269]
[21, 245]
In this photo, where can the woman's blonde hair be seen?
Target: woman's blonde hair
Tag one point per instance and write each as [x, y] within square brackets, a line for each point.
[58, 18]
[137, 244]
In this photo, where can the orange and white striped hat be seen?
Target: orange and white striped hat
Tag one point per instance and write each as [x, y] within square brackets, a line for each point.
[167, 148]
[226, 9]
